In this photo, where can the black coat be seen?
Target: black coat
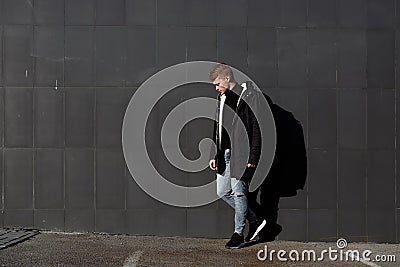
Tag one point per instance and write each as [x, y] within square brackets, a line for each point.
[289, 167]
[245, 134]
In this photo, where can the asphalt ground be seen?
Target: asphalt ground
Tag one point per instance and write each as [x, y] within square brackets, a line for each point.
[62, 249]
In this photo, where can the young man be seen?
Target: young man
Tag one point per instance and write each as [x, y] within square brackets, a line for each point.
[232, 185]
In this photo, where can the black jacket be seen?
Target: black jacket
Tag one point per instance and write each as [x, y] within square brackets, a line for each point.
[289, 166]
[242, 138]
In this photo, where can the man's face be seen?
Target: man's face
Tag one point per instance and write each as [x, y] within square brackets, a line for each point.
[221, 84]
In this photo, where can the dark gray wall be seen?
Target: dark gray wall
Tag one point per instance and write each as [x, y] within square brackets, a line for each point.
[332, 63]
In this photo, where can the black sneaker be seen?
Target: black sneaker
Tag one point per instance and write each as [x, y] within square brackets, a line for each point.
[269, 234]
[254, 229]
[237, 241]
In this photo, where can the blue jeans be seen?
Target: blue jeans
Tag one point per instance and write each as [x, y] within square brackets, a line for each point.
[234, 192]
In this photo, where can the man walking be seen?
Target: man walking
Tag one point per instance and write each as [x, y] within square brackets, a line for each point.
[234, 171]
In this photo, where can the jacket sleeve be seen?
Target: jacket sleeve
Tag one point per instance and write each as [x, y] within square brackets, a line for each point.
[213, 152]
[255, 142]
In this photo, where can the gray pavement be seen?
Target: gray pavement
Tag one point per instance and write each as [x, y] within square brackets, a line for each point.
[62, 249]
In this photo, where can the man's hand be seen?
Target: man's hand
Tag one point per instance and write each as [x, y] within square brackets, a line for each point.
[249, 165]
[213, 165]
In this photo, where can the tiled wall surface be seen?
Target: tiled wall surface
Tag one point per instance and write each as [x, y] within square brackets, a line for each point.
[68, 69]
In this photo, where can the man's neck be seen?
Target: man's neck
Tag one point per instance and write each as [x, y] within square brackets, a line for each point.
[232, 85]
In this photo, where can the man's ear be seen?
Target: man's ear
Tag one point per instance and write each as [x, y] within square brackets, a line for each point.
[228, 78]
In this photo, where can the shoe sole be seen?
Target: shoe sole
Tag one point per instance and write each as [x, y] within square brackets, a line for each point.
[238, 247]
[259, 228]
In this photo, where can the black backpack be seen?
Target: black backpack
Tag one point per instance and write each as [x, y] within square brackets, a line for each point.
[289, 169]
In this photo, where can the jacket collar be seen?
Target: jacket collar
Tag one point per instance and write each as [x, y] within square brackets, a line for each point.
[237, 90]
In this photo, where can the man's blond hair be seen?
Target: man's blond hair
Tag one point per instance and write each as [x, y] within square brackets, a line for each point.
[221, 70]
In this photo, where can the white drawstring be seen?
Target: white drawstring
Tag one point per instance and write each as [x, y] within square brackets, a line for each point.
[241, 94]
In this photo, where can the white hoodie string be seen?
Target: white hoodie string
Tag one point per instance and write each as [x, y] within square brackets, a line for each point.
[241, 94]
[221, 109]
